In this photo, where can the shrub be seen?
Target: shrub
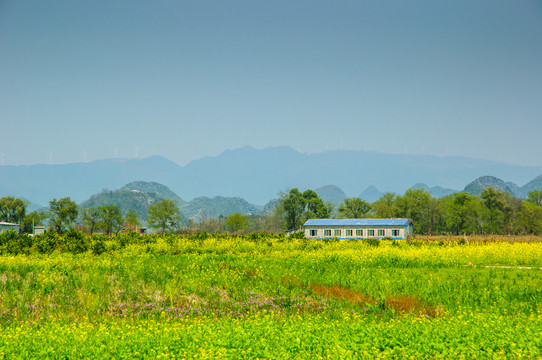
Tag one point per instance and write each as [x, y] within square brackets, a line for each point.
[200, 235]
[298, 235]
[75, 242]
[372, 242]
[98, 246]
[15, 243]
[47, 243]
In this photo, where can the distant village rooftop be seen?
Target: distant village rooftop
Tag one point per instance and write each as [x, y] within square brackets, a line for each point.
[358, 222]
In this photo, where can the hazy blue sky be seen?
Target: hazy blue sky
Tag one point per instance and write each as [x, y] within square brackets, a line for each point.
[187, 79]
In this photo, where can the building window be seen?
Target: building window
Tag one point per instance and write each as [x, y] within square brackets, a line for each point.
[349, 232]
[381, 232]
[370, 233]
[327, 232]
[395, 232]
[359, 232]
[314, 232]
[337, 232]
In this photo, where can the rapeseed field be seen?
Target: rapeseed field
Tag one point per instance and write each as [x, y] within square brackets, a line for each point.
[267, 296]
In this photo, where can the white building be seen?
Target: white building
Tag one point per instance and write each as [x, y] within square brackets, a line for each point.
[358, 228]
[4, 226]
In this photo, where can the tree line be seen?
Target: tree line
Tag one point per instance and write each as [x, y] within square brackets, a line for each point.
[164, 216]
[493, 212]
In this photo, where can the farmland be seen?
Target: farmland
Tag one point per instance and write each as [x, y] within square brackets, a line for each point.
[267, 296]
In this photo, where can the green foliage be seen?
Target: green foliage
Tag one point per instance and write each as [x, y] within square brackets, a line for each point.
[12, 210]
[535, 197]
[164, 215]
[110, 219]
[372, 242]
[63, 213]
[295, 208]
[75, 242]
[291, 207]
[496, 209]
[298, 235]
[98, 246]
[354, 208]
[236, 222]
[386, 206]
[132, 220]
[48, 242]
[315, 207]
[15, 243]
[90, 218]
[462, 213]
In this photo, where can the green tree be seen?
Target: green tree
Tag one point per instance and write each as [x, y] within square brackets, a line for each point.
[236, 222]
[295, 207]
[291, 207]
[496, 207]
[354, 208]
[110, 218]
[415, 204]
[164, 215]
[12, 210]
[315, 207]
[90, 218]
[132, 220]
[461, 213]
[535, 197]
[62, 213]
[529, 219]
[386, 206]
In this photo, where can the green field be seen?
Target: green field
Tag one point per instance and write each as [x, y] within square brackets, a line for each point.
[270, 297]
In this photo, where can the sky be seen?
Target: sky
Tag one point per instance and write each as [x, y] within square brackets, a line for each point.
[88, 80]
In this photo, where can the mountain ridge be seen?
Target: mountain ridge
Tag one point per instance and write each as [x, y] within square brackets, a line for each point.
[255, 175]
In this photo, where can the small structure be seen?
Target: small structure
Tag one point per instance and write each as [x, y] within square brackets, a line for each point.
[4, 226]
[38, 230]
[358, 228]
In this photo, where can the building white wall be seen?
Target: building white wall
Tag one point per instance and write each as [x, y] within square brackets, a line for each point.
[8, 226]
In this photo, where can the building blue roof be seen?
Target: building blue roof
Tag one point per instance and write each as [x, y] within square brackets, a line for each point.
[357, 222]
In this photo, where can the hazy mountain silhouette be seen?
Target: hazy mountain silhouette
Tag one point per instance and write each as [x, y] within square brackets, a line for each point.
[255, 175]
[477, 186]
[331, 193]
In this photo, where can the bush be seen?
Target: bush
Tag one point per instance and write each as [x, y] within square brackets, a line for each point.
[15, 243]
[298, 235]
[47, 243]
[200, 235]
[75, 242]
[372, 242]
[7, 236]
[98, 246]
[129, 238]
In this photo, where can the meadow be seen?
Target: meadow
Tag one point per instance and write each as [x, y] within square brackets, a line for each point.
[267, 296]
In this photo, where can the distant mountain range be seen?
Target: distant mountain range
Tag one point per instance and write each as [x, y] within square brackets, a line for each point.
[258, 175]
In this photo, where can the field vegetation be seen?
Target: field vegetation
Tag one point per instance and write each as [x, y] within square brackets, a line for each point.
[269, 296]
